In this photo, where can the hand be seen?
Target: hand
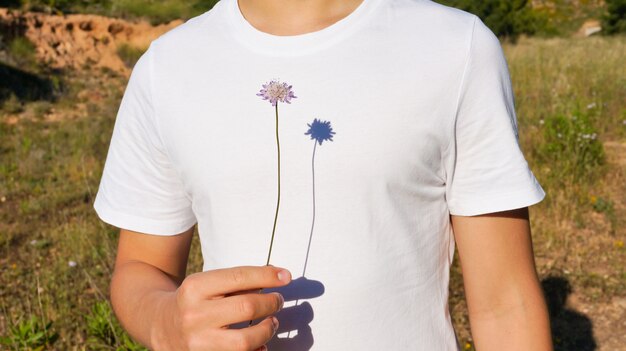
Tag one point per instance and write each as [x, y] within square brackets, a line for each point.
[198, 314]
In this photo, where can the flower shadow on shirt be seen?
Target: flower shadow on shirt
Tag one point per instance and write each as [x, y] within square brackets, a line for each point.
[294, 320]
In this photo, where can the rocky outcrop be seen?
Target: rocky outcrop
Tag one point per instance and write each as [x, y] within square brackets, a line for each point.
[80, 41]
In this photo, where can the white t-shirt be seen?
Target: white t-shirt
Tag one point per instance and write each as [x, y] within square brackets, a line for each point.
[401, 114]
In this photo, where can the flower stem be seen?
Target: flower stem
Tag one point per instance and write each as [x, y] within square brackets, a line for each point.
[269, 254]
[278, 200]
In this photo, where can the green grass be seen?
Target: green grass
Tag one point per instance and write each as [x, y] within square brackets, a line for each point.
[572, 88]
[22, 51]
[105, 332]
[50, 171]
[29, 334]
[129, 54]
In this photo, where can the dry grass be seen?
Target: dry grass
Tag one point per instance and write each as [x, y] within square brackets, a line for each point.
[579, 229]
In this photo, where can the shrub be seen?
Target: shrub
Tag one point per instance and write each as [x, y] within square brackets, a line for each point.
[22, 51]
[9, 3]
[506, 18]
[160, 11]
[12, 104]
[614, 19]
[129, 54]
[157, 11]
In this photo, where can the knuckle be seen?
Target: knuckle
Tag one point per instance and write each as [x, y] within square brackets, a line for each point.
[269, 273]
[246, 308]
[241, 343]
[187, 287]
[238, 276]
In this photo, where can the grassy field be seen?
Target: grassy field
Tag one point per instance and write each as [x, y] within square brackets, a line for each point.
[56, 257]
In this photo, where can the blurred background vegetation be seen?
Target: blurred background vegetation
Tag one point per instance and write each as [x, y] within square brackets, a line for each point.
[56, 256]
[506, 18]
[157, 11]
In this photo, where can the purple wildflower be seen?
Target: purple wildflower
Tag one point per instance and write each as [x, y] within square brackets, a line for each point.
[275, 91]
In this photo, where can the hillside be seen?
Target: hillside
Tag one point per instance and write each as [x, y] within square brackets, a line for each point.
[568, 16]
[80, 40]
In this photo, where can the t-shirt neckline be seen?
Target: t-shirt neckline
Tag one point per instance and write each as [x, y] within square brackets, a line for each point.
[295, 45]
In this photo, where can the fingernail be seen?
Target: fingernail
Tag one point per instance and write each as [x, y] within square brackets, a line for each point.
[284, 276]
[275, 323]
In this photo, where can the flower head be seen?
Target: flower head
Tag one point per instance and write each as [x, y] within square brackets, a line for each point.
[276, 91]
[320, 131]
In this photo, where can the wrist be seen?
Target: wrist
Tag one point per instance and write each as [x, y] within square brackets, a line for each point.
[164, 330]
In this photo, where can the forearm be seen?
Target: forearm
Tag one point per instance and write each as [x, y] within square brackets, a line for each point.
[519, 321]
[141, 296]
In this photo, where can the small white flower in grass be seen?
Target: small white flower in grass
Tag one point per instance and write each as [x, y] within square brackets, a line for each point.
[33, 242]
[591, 105]
[72, 263]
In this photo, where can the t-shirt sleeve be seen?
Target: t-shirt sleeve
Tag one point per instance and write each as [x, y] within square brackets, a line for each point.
[486, 170]
[140, 190]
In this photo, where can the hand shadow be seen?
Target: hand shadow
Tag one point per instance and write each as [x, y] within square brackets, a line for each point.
[293, 320]
[571, 330]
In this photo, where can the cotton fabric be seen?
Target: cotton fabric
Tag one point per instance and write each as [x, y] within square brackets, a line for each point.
[420, 102]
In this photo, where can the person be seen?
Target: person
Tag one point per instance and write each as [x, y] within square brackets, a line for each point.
[333, 155]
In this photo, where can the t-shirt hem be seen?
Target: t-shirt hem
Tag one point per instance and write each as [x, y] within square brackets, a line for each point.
[141, 224]
[501, 202]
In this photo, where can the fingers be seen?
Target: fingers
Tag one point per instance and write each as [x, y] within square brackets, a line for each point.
[209, 303]
[243, 292]
[240, 308]
[220, 282]
[253, 338]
